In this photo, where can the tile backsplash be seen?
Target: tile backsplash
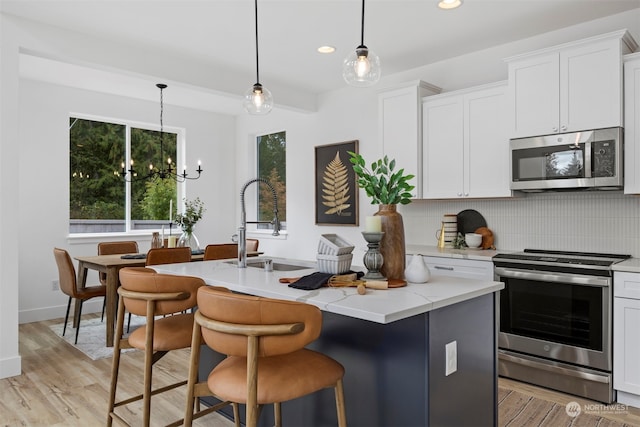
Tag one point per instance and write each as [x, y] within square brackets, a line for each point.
[607, 222]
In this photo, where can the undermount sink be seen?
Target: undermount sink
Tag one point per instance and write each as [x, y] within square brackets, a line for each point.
[278, 266]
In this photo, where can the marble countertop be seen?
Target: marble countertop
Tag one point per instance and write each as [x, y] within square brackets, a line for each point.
[381, 306]
[631, 265]
[467, 253]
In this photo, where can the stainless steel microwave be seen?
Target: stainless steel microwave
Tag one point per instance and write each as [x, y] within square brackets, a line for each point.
[590, 159]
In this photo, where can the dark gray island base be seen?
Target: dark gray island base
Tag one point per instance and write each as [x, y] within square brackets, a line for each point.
[395, 372]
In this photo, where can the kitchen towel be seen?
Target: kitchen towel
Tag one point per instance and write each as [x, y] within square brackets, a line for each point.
[316, 280]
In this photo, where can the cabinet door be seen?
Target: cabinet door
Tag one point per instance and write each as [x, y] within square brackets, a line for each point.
[534, 95]
[632, 125]
[442, 134]
[486, 144]
[400, 129]
[626, 345]
[591, 86]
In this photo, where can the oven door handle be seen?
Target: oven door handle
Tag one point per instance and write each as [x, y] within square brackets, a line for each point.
[570, 279]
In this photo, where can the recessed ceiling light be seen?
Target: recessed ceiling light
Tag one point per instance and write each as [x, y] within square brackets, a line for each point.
[326, 49]
[449, 4]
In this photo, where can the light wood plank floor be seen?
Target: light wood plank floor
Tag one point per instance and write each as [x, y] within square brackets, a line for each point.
[60, 386]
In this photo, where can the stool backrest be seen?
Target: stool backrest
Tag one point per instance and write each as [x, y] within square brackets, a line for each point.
[66, 272]
[149, 285]
[234, 317]
[220, 251]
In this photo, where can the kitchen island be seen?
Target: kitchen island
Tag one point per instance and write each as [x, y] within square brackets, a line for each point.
[393, 344]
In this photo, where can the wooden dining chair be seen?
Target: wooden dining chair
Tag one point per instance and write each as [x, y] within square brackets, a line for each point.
[146, 293]
[68, 285]
[220, 251]
[264, 340]
[157, 256]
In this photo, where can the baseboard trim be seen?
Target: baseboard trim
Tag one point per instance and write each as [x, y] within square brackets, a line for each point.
[10, 367]
[57, 312]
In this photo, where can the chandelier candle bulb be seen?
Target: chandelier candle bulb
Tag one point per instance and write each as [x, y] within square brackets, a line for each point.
[373, 224]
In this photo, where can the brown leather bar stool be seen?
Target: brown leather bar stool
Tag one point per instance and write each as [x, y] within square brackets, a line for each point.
[266, 361]
[146, 293]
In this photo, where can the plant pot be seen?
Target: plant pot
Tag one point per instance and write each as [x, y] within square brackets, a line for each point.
[392, 244]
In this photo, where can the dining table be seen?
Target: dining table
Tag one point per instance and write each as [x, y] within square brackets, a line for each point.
[110, 265]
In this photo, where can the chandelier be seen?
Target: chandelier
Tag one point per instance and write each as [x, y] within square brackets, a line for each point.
[165, 171]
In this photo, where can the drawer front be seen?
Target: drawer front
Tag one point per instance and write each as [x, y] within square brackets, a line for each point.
[626, 285]
[464, 268]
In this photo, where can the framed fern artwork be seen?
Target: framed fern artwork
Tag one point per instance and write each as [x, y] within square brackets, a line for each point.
[336, 187]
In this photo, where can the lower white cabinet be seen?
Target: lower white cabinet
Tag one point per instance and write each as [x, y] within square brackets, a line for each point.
[626, 339]
[457, 267]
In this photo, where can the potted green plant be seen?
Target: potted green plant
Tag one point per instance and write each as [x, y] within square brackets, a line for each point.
[387, 187]
[187, 220]
[381, 183]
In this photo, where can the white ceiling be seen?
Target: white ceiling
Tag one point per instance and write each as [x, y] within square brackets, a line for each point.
[220, 33]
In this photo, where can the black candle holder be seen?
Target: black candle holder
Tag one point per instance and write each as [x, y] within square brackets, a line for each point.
[373, 259]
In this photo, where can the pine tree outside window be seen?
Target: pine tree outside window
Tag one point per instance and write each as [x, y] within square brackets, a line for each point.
[272, 166]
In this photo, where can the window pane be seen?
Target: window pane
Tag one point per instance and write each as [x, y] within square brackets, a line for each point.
[97, 192]
[150, 199]
[272, 166]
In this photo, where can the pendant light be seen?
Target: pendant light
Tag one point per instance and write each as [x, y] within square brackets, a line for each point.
[165, 172]
[362, 67]
[257, 99]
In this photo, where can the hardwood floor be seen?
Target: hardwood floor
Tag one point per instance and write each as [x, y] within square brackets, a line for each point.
[60, 386]
[630, 417]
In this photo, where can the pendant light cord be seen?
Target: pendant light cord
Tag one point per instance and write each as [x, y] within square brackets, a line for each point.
[362, 26]
[161, 129]
[257, 61]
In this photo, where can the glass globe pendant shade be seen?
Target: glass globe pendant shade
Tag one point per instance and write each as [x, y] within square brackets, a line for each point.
[258, 100]
[361, 68]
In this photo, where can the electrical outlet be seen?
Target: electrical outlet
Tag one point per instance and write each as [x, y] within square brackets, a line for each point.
[55, 285]
[451, 351]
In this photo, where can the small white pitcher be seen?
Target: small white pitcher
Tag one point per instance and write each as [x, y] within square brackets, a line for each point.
[417, 270]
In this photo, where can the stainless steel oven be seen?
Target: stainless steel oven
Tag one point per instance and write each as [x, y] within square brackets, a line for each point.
[555, 320]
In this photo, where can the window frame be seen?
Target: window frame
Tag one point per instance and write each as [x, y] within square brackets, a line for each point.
[264, 230]
[129, 124]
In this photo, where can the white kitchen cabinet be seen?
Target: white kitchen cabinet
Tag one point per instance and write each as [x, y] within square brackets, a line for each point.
[465, 144]
[567, 88]
[626, 340]
[632, 124]
[457, 267]
[400, 130]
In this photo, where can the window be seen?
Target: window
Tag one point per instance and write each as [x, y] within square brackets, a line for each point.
[101, 201]
[272, 167]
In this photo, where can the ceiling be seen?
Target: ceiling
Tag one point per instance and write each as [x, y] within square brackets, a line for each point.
[218, 35]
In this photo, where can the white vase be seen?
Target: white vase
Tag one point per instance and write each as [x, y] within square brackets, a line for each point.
[417, 270]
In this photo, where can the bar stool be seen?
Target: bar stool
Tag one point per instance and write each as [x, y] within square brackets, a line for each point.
[266, 361]
[146, 293]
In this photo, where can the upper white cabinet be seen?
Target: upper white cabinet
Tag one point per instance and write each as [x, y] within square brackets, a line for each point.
[632, 124]
[466, 144]
[567, 88]
[400, 130]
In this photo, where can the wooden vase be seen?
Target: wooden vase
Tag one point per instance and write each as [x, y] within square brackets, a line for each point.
[392, 244]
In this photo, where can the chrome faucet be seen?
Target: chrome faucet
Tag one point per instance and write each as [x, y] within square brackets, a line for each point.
[242, 230]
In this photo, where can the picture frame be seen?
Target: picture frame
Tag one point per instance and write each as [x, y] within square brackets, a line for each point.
[336, 185]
